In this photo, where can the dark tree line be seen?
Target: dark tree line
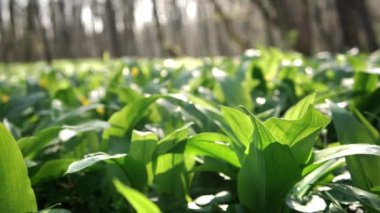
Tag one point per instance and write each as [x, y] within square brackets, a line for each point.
[34, 30]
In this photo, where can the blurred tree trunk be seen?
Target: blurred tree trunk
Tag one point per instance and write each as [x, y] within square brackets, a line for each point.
[355, 19]
[62, 33]
[295, 31]
[203, 30]
[176, 27]
[228, 25]
[36, 37]
[112, 30]
[302, 25]
[367, 25]
[2, 36]
[348, 22]
[98, 40]
[129, 25]
[10, 36]
[31, 11]
[166, 47]
[78, 49]
[269, 19]
[159, 31]
[47, 51]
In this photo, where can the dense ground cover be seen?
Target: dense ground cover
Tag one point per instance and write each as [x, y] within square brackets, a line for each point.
[266, 132]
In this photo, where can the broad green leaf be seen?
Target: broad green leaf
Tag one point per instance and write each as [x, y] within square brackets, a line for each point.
[364, 170]
[16, 193]
[133, 172]
[261, 136]
[89, 160]
[266, 176]
[290, 132]
[31, 146]
[298, 111]
[172, 140]
[371, 129]
[172, 176]
[365, 82]
[299, 134]
[366, 198]
[142, 146]
[125, 119]
[49, 170]
[212, 145]
[240, 124]
[141, 203]
[235, 93]
[346, 151]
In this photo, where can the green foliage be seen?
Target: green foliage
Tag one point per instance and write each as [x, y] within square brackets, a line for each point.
[192, 135]
[137, 200]
[16, 193]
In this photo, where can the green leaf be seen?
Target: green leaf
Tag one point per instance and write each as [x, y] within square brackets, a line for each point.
[141, 203]
[363, 169]
[266, 176]
[346, 151]
[212, 145]
[261, 136]
[367, 125]
[142, 146]
[31, 146]
[295, 198]
[290, 132]
[125, 119]
[89, 160]
[234, 92]
[366, 198]
[172, 140]
[172, 176]
[49, 170]
[240, 124]
[299, 134]
[135, 172]
[16, 193]
[298, 111]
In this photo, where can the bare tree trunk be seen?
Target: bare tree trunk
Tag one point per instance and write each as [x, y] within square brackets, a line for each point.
[348, 22]
[31, 30]
[269, 19]
[64, 39]
[159, 31]
[367, 25]
[176, 27]
[111, 24]
[166, 48]
[2, 36]
[353, 15]
[129, 25]
[10, 38]
[303, 26]
[229, 27]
